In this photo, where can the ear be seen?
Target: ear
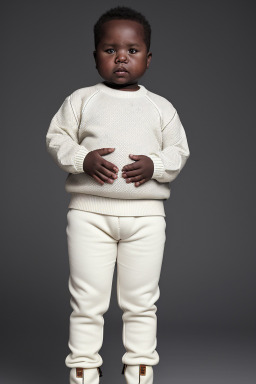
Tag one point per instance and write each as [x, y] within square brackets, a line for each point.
[95, 58]
[149, 57]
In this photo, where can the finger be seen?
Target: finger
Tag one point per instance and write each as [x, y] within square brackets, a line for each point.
[133, 179]
[103, 177]
[131, 167]
[133, 173]
[98, 180]
[136, 157]
[105, 151]
[138, 183]
[107, 172]
[110, 166]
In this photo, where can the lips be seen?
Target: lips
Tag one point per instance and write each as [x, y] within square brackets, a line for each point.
[121, 69]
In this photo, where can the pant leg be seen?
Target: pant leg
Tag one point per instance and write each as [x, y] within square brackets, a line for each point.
[139, 261]
[92, 256]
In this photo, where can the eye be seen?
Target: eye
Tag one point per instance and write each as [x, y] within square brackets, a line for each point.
[109, 49]
[133, 49]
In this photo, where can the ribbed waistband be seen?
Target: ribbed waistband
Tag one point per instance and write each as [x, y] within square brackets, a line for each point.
[116, 207]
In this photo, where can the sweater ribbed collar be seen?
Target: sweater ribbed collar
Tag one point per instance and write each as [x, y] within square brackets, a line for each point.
[122, 94]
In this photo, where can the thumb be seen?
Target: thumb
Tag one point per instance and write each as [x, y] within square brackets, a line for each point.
[105, 151]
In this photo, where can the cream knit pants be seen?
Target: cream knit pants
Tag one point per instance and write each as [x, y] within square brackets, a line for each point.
[95, 243]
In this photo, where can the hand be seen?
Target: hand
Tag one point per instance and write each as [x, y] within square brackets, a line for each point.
[140, 171]
[99, 168]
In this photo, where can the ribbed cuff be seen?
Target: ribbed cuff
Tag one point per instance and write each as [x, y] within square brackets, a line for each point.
[158, 166]
[79, 158]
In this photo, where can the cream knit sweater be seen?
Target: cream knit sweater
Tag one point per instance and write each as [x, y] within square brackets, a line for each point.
[133, 122]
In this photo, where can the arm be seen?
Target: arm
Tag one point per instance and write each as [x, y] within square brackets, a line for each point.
[169, 162]
[62, 139]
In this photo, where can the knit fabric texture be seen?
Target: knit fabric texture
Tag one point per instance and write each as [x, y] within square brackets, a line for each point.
[133, 122]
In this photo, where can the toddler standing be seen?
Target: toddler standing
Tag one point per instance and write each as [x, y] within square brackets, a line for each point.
[121, 145]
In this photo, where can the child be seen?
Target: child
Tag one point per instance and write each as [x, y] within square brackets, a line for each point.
[122, 145]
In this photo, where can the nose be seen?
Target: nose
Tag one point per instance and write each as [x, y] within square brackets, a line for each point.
[121, 57]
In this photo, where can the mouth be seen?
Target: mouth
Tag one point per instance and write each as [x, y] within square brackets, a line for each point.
[121, 71]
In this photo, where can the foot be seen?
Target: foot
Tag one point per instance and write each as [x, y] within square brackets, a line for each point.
[85, 375]
[138, 374]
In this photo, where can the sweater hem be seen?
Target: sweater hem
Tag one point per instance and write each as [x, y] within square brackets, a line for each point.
[116, 207]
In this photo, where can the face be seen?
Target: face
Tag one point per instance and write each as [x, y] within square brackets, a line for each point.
[122, 47]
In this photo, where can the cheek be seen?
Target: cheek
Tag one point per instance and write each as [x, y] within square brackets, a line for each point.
[141, 64]
[106, 63]
[140, 61]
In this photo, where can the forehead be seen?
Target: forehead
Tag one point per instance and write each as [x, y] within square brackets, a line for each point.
[125, 30]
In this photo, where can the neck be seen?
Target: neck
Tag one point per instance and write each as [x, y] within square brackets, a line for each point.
[123, 87]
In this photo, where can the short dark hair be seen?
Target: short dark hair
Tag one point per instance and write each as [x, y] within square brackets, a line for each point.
[125, 13]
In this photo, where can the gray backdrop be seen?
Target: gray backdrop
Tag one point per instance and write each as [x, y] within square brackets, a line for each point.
[204, 63]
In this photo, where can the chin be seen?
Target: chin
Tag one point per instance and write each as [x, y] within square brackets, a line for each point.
[119, 81]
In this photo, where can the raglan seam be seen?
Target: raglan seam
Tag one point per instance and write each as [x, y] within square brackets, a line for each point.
[157, 108]
[73, 110]
[87, 101]
[174, 115]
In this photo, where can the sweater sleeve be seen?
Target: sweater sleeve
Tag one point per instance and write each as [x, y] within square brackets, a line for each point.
[62, 139]
[175, 151]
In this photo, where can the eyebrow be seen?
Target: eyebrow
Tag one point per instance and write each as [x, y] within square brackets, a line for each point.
[130, 44]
